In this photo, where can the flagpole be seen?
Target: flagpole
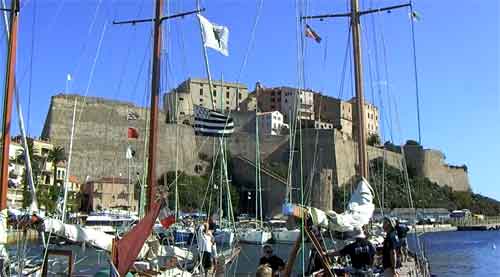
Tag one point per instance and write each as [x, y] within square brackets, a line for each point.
[205, 56]
[66, 176]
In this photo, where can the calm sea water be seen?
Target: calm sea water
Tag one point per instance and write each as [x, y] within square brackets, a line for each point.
[474, 253]
[449, 253]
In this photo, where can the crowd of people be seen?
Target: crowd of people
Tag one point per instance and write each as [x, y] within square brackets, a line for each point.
[361, 253]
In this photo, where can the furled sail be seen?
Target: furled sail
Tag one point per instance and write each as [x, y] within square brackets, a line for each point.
[358, 213]
[77, 233]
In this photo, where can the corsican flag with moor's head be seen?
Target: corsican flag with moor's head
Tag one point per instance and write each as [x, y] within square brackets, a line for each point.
[211, 123]
[214, 36]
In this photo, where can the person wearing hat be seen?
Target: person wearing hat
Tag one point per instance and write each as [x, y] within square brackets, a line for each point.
[390, 248]
[275, 262]
[361, 252]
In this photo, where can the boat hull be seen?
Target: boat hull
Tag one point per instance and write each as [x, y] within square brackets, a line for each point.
[255, 236]
[286, 236]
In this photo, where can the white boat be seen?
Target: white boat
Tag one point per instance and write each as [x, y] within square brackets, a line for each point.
[283, 235]
[224, 236]
[109, 223]
[255, 236]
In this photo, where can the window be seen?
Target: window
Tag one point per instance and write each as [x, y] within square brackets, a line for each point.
[215, 93]
[181, 99]
[239, 95]
[227, 102]
[272, 93]
[201, 99]
[201, 91]
[272, 99]
[272, 107]
[227, 94]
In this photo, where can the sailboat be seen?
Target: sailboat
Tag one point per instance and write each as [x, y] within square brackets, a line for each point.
[257, 234]
[360, 208]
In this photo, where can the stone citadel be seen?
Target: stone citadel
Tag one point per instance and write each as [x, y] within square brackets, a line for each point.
[101, 141]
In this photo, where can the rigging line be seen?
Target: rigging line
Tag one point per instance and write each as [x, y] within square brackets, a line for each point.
[373, 168]
[89, 32]
[129, 50]
[33, 30]
[180, 40]
[92, 69]
[415, 71]
[387, 86]
[25, 72]
[250, 44]
[344, 66]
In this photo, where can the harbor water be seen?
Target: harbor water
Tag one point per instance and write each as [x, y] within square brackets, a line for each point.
[467, 253]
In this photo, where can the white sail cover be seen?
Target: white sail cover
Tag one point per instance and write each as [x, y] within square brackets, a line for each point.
[358, 213]
[77, 233]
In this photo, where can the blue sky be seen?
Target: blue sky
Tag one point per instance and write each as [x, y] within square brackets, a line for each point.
[457, 56]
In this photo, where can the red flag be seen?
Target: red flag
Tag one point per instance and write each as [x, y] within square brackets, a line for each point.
[126, 249]
[133, 133]
[309, 32]
[165, 219]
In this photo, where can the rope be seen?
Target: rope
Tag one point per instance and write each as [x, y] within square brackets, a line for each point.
[33, 30]
[415, 71]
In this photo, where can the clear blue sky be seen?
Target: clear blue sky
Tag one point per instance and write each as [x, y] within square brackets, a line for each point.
[457, 51]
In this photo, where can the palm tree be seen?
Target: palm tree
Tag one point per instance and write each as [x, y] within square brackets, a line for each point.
[36, 163]
[55, 156]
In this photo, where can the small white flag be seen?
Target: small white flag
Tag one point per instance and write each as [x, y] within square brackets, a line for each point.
[68, 77]
[215, 36]
[130, 153]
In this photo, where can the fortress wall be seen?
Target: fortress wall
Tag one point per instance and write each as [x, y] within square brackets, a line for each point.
[436, 169]
[100, 139]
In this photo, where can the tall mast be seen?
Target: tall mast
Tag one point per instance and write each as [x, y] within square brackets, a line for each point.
[7, 104]
[358, 77]
[354, 16]
[155, 94]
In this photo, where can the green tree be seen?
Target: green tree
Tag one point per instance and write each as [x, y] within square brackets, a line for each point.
[36, 168]
[373, 140]
[55, 156]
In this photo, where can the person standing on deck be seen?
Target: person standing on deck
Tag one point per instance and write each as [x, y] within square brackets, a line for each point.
[275, 262]
[390, 248]
[361, 252]
[402, 231]
[207, 248]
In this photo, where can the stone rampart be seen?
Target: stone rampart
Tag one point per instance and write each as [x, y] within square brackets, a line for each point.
[101, 141]
[431, 163]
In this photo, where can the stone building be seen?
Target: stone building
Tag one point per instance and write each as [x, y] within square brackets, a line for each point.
[334, 111]
[286, 100]
[226, 96]
[371, 119]
[342, 114]
[17, 169]
[249, 104]
[101, 141]
[110, 193]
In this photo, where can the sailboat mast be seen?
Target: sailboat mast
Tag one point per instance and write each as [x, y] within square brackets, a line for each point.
[358, 77]
[155, 95]
[7, 104]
